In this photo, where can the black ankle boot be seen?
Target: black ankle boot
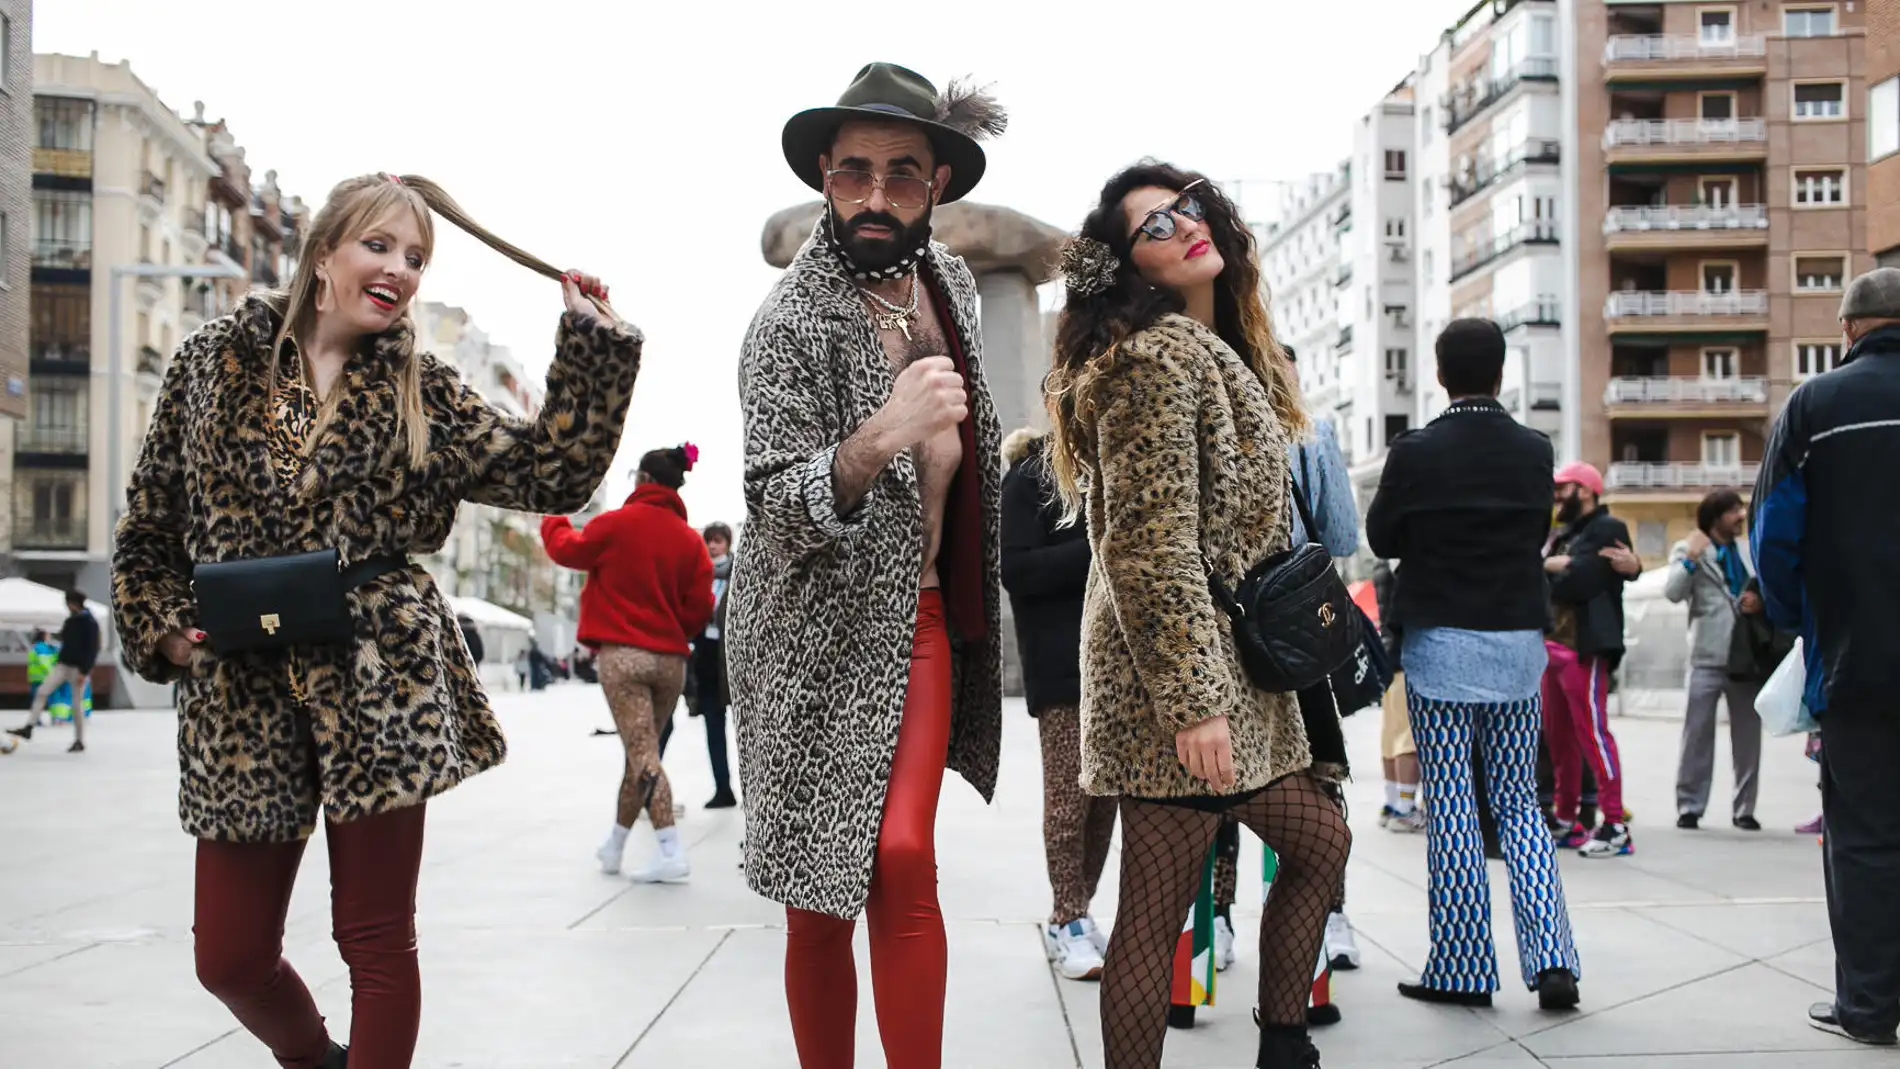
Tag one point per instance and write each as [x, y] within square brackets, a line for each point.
[1282, 1047]
[337, 1057]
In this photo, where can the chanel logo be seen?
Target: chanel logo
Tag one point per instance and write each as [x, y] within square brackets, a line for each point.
[270, 623]
[1326, 614]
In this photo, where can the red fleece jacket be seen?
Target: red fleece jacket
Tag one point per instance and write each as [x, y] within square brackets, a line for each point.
[649, 577]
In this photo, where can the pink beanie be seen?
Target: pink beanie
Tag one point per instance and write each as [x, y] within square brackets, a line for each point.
[1582, 474]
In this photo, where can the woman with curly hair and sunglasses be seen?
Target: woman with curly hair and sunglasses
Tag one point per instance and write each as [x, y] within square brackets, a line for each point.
[1172, 408]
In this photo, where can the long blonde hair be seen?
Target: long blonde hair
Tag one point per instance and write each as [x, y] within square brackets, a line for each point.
[354, 206]
[1093, 327]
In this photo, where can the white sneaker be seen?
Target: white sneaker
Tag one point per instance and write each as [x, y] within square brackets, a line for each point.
[1341, 948]
[1072, 951]
[663, 869]
[1096, 936]
[1412, 823]
[610, 855]
[1223, 944]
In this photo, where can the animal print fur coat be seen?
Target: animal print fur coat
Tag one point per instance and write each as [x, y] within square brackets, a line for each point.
[398, 715]
[824, 606]
[1184, 463]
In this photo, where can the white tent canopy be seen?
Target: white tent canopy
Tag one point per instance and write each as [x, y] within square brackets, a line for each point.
[489, 614]
[25, 605]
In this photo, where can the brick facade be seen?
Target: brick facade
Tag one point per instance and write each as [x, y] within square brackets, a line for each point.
[1883, 176]
[16, 200]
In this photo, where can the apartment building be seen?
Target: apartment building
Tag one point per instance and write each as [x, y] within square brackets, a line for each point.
[1883, 131]
[1299, 250]
[115, 176]
[16, 256]
[1722, 208]
[1490, 129]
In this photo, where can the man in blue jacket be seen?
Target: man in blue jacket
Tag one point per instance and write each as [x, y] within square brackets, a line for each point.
[1823, 536]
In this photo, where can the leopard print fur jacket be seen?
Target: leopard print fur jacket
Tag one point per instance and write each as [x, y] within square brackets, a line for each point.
[823, 607]
[1184, 462]
[398, 715]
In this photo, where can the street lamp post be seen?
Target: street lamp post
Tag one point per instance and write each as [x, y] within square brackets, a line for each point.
[115, 418]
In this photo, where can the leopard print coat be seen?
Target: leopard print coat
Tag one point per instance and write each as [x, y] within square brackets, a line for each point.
[823, 607]
[399, 715]
[1184, 462]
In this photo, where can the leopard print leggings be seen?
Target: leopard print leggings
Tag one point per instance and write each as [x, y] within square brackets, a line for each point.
[1076, 828]
[642, 688]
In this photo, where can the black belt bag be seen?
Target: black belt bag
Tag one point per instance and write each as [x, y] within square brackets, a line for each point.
[1294, 623]
[269, 603]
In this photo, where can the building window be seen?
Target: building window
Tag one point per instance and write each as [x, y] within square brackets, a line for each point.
[1825, 188]
[1820, 100]
[1718, 26]
[1718, 363]
[1425, 117]
[6, 51]
[1718, 276]
[1717, 107]
[1395, 227]
[1813, 358]
[1395, 364]
[1717, 192]
[1883, 119]
[1429, 268]
[1395, 164]
[1808, 21]
[64, 123]
[1722, 449]
[1819, 274]
[1395, 426]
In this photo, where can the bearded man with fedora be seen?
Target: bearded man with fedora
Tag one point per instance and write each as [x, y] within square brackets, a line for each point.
[864, 638]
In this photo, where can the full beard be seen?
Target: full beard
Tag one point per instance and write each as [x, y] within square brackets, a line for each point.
[1570, 510]
[891, 257]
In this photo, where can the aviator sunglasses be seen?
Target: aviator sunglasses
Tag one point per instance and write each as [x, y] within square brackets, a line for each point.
[1160, 225]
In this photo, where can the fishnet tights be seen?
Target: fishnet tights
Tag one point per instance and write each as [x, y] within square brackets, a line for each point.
[1163, 849]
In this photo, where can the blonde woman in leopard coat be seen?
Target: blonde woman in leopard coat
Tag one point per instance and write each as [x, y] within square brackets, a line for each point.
[306, 421]
[1172, 407]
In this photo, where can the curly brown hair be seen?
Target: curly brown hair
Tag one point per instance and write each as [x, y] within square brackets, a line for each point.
[1092, 327]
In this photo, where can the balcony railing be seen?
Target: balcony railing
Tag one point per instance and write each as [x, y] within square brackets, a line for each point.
[49, 532]
[1490, 169]
[60, 351]
[1675, 48]
[233, 249]
[1462, 107]
[151, 185]
[1342, 219]
[1546, 396]
[1625, 219]
[1547, 312]
[1540, 232]
[1344, 344]
[1641, 133]
[37, 439]
[1682, 390]
[60, 253]
[1680, 476]
[1343, 275]
[1639, 304]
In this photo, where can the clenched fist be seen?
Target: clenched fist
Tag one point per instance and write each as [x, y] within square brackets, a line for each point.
[929, 397]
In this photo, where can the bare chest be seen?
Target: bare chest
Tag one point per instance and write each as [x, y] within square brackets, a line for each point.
[920, 336]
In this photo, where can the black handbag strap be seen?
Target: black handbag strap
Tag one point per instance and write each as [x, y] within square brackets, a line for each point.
[367, 571]
[1223, 595]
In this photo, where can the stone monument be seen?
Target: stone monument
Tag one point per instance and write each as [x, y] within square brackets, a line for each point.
[1011, 254]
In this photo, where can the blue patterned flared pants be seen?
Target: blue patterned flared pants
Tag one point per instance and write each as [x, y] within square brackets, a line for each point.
[1463, 956]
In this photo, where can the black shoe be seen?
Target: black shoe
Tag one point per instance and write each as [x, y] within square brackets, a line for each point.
[1689, 821]
[1180, 1016]
[1748, 823]
[722, 800]
[336, 1058]
[76, 747]
[1321, 1016]
[1821, 1017]
[1480, 1000]
[1286, 1048]
[1557, 990]
[21, 733]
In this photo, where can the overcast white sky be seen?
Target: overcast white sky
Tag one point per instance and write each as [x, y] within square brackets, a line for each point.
[640, 140]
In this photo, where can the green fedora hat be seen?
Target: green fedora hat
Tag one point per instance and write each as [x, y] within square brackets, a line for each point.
[954, 120]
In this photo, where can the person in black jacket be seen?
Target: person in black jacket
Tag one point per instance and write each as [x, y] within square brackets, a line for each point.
[1464, 507]
[1823, 532]
[78, 652]
[1588, 562]
[1045, 570]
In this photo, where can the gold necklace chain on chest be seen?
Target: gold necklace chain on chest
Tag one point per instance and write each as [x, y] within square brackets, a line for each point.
[893, 317]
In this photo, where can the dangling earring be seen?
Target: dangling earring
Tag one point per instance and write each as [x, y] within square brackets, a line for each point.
[324, 303]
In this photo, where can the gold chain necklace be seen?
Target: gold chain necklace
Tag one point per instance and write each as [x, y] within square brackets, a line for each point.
[894, 317]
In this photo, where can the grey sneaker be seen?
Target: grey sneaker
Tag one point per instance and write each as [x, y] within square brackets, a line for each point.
[1823, 1018]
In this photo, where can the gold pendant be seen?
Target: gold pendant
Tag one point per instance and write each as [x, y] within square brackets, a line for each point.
[894, 321]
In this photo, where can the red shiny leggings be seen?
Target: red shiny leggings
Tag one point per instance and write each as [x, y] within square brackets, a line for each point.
[243, 895]
[908, 956]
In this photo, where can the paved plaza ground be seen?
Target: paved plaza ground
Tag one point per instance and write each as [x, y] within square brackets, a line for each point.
[1702, 951]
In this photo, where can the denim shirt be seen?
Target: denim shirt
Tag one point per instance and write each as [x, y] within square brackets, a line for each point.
[1319, 471]
[1451, 664]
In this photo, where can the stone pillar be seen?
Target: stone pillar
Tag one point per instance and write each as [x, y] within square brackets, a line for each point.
[1011, 254]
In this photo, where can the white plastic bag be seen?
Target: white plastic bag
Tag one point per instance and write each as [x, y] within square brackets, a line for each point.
[1782, 702]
